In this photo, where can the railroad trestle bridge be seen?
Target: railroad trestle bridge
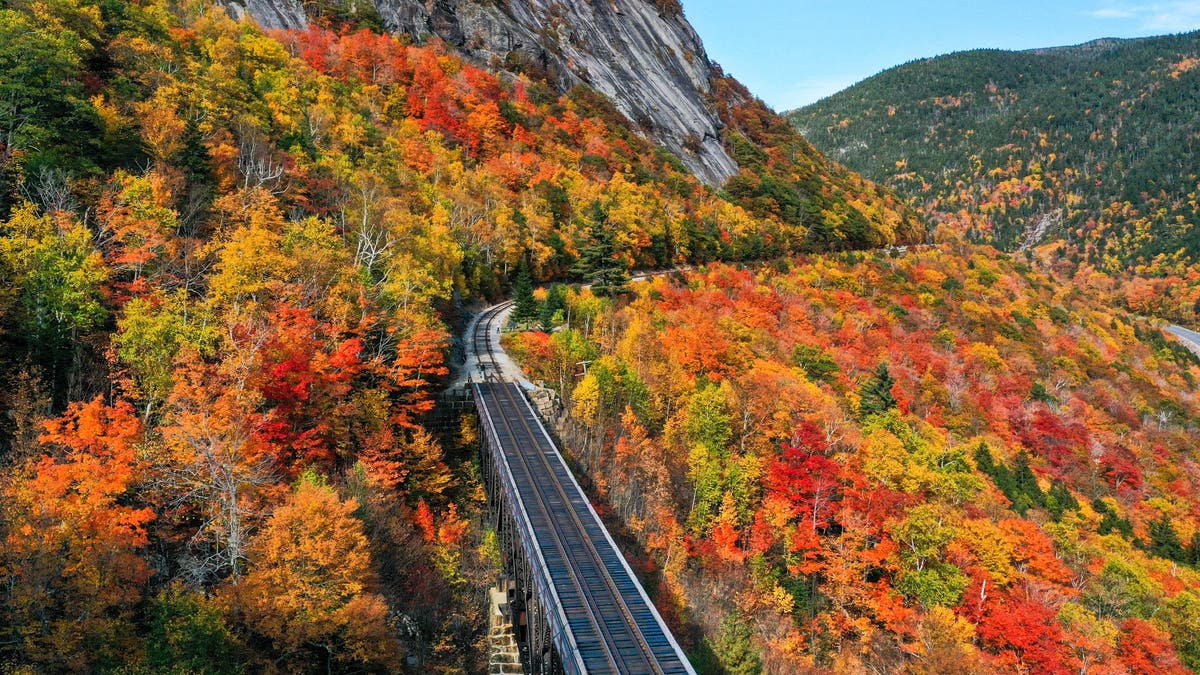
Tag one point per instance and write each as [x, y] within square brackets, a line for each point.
[575, 604]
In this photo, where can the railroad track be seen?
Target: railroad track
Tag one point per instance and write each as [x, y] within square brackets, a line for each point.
[613, 626]
[625, 646]
[613, 623]
[485, 357]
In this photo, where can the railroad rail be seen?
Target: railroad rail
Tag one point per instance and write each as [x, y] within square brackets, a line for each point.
[481, 342]
[576, 604]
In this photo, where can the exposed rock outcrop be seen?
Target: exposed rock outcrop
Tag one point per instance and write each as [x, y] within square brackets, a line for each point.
[271, 13]
[641, 53]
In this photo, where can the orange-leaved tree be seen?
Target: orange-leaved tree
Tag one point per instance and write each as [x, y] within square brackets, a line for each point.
[311, 589]
[215, 467]
[70, 559]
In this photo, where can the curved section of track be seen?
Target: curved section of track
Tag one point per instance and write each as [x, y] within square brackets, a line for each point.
[487, 325]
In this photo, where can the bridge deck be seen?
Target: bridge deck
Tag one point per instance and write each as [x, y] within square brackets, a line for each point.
[602, 621]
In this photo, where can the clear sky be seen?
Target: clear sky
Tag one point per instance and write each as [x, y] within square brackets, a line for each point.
[794, 52]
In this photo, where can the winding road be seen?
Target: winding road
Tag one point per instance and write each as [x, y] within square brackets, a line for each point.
[1189, 338]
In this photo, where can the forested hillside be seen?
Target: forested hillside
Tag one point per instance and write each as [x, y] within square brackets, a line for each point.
[1092, 146]
[231, 260]
[934, 462]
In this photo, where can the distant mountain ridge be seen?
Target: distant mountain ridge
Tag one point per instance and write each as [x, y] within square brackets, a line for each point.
[1091, 45]
[1094, 145]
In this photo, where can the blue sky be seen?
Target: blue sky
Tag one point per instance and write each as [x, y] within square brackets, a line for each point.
[794, 52]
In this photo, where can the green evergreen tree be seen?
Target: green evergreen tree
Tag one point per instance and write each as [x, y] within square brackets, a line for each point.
[525, 305]
[876, 393]
[1194, 550]
[820, 236]
[188, 634]
[1003, 478]
[1026, 491]
[818, 365]
[1110, 522]
[553, 307]
[1001, 475]
[734, 647]
[598, 263]
[984, 460]
[1039, 393]
[1059, 500]
[1164, 540]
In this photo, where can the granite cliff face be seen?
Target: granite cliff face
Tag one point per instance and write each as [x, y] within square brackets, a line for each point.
[270, 13]
[641, 53]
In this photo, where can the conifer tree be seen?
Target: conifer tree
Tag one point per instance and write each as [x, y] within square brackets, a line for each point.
[876, 393]
[526, 306]
[1001, 475]
[820, 236]
[556, 302]
[1164, 540]
[598, 264]
[984, 459]
[1059, 500]
[1110, 522]
[1026, 491]
[734, 648]
[1003, 478]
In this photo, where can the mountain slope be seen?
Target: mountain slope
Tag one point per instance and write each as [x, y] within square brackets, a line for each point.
[1094, 145]
[937, 461]
[644, 55]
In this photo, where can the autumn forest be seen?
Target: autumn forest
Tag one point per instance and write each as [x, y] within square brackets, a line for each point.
[839, 432]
